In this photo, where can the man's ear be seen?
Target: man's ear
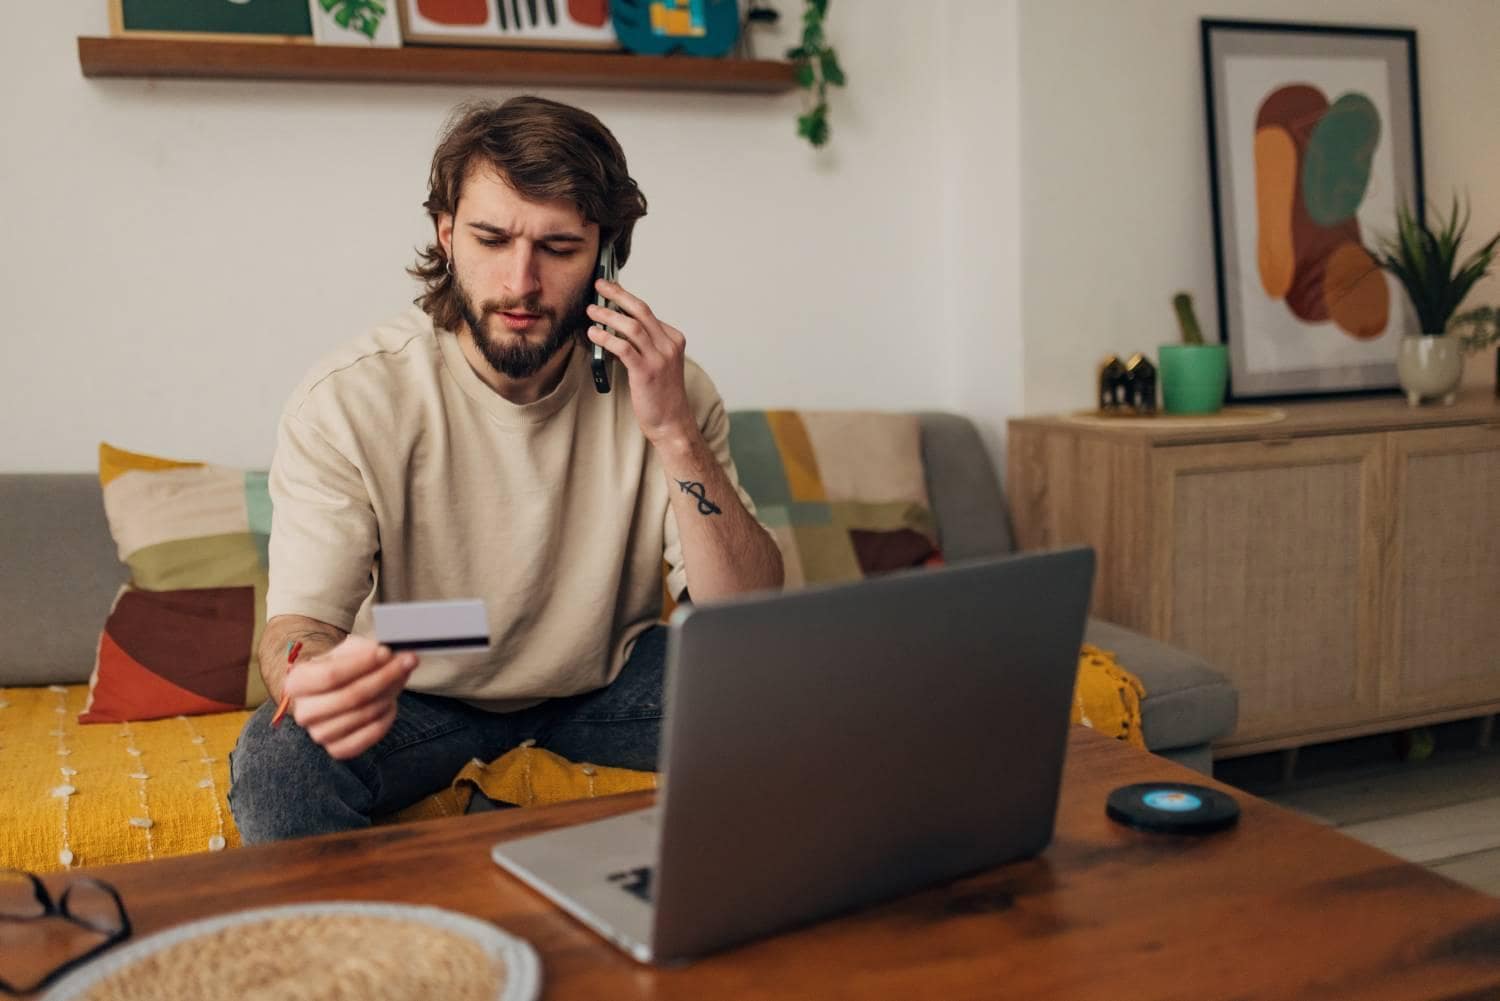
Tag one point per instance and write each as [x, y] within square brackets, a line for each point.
[445, 233]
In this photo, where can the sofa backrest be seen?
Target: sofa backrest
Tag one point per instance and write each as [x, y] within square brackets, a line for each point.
[58, 576]
[967, 499]
[59, 571]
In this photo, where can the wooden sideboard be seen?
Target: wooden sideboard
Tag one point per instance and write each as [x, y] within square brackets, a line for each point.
[1340, 565]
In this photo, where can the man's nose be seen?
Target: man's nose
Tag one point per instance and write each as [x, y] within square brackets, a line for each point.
[522, 279]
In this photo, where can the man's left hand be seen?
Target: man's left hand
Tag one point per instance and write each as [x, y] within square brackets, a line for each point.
[652, 353]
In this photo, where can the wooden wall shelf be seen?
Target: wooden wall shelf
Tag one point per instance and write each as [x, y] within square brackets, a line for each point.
[157, 57]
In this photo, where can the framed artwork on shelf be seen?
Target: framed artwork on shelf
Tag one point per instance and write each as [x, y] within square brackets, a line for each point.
[364, 23]
[213, 20]
[578, 24]
[1314, 139]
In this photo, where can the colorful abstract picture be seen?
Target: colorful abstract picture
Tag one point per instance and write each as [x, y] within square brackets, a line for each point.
[549, 23]
[1314, 140]
[664, 27]
[365, 23]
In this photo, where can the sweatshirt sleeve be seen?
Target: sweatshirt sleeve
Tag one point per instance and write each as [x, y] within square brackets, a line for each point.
[324, 537]
[713, 422]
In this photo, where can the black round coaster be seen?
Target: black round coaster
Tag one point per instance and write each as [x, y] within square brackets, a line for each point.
[1172, 807]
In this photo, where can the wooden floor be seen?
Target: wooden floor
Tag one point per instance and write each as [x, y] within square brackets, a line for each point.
[1442, 812]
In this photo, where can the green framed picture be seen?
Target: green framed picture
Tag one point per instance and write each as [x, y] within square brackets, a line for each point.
[225, 20]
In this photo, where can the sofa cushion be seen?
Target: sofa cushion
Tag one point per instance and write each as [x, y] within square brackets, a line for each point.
[1187, 703]
[843, 492]
[182, 636]
[95, 795]
[964, 489]
[59, 576]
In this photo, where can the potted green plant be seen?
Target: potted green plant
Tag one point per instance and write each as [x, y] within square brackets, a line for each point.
[1425, 260]
[1478, 329]
[1193, 374]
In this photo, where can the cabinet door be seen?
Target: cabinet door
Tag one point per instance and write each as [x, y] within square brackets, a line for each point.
[1444, 629]
[1268, 563]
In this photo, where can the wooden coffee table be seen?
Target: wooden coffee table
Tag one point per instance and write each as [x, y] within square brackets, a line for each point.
[1278, 907]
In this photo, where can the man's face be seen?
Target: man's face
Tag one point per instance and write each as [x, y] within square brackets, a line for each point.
[523, 272]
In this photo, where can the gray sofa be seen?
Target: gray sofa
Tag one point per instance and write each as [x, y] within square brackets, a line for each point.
[1188, 705]
[59, 573]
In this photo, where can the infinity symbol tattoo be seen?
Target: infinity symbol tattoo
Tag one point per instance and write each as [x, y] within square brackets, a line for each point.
[705, 506]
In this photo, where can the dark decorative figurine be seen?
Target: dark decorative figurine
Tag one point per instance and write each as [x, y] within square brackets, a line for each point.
[1114, 385]
[1140, 376]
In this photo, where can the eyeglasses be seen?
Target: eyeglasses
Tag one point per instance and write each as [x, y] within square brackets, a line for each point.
[86, 902]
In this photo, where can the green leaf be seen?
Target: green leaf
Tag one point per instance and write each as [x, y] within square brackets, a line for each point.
[818, 127]
[832, 72]
[805, 75]
[800, 52]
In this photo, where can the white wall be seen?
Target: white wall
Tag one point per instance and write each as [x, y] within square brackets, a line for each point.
[979, 116]
[1014, 189]
[1114, 162]
[178, 252]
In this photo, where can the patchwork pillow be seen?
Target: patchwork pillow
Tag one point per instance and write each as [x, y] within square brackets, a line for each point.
[182, 635]
[843, 492]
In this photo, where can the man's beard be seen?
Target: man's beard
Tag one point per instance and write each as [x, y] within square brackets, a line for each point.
[519, 357]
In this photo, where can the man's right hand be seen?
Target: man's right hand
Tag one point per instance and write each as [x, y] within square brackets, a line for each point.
[345, 698]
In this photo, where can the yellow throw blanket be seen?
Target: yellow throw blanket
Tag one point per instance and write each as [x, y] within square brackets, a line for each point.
[96, 794]
[1107, 697]
[154, 790]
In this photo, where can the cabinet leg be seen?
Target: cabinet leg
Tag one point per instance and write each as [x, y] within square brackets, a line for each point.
[1288, 765]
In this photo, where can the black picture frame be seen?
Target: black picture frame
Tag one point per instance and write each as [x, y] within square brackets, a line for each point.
[1283, 179]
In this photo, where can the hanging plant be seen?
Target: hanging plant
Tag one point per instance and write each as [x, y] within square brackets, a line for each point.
[817, 69]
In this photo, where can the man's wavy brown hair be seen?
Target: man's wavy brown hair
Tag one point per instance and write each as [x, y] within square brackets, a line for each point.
[545, 150]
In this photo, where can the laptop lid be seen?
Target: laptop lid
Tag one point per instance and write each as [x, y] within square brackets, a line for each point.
[835, 746]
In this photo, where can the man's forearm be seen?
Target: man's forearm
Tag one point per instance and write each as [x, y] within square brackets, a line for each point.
[726, 551]
[280, 633]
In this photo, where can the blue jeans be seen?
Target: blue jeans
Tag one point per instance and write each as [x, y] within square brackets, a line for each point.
[284, 785]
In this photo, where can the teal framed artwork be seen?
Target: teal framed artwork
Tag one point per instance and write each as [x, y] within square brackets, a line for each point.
[223, 20]
[1314, 139]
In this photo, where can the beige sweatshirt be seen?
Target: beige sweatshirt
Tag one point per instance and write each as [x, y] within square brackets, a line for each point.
[400, 476]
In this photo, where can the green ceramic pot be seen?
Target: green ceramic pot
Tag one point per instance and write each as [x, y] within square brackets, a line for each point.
[1193, 377]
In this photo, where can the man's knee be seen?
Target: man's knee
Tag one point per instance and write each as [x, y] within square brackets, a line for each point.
[283, 784]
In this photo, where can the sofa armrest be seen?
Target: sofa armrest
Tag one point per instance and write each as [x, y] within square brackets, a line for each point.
[1187, 702]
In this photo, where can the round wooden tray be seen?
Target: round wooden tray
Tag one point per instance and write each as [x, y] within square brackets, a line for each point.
[331, 950]
[1228, 417]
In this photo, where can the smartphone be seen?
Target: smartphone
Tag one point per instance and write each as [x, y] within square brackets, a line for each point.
[599, 360]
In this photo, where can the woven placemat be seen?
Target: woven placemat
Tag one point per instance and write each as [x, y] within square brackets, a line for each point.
[1228, 417]
[317, 952]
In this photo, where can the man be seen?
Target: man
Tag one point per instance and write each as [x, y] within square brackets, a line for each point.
[462, 451]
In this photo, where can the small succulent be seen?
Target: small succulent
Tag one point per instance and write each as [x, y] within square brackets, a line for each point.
[1478, 328]
[1187, 320]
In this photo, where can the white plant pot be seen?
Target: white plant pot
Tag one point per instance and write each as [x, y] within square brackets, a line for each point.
[1429, 368]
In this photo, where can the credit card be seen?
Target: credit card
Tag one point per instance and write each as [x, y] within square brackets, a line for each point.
[433, 626]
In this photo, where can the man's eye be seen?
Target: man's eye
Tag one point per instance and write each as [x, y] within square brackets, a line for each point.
[491, 242]
[559, 251]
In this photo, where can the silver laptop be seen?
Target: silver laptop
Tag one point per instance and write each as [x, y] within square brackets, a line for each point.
[831, 747]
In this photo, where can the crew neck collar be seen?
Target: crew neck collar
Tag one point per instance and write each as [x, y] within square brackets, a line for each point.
[498, 407]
